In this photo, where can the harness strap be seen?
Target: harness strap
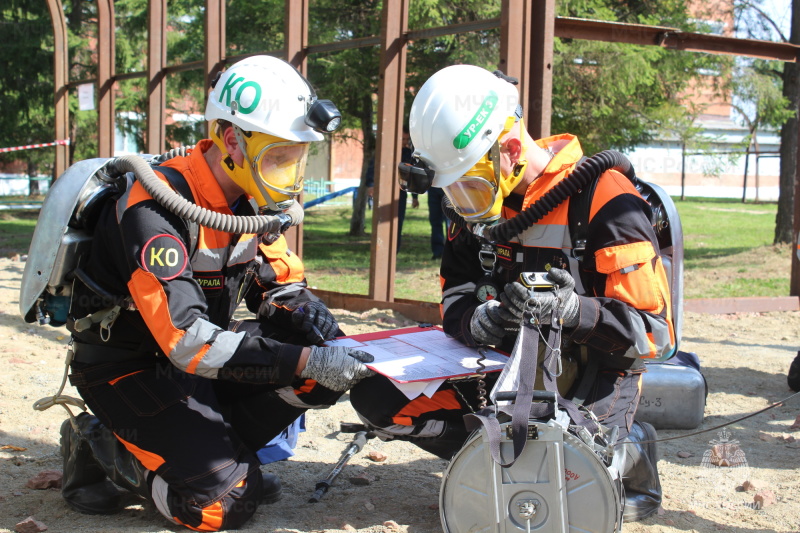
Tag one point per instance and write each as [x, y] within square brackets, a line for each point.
[526, 349]
[590, 369]
[179, 183]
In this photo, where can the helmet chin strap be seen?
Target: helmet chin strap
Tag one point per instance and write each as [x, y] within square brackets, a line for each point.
[240, 140]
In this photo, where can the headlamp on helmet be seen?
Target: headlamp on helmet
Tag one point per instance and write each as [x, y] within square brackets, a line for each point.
[323, 116]
[415, 177]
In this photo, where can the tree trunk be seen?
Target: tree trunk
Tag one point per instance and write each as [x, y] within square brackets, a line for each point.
[33, 183]
[788, 150]
[358, 218]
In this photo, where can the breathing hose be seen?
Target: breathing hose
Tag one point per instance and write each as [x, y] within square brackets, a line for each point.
[579, 178]
[180, 206]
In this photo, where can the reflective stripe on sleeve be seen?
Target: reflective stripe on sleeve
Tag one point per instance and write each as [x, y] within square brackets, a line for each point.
[650, 340]
[453, 294]
[193, 354]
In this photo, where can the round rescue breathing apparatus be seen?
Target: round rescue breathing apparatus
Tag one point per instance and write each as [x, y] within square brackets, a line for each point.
[557, 484]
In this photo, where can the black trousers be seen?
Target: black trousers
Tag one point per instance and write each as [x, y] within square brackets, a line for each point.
[613, 398]
[199, 435]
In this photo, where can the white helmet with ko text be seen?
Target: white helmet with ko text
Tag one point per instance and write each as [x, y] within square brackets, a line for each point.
[274, 113]
[456, 118]
[264, 94]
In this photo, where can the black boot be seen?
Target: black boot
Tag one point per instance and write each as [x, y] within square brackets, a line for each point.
[640, 478]
[271, 490]
[85, 486]
[793, 377]
[119, 464]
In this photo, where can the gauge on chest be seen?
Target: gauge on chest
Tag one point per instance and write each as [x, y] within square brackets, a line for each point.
[486, 289]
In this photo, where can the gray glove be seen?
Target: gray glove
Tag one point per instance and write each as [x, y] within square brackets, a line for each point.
[516, 297]
[314, 319]
[336, 367]
[488, 323]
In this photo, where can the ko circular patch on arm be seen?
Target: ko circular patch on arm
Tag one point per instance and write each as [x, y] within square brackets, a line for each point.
[164, 256]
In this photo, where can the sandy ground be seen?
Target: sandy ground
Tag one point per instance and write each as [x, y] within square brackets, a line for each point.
[745, 358]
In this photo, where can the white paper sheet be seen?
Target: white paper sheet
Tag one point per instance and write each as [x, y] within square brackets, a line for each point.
[419, 362]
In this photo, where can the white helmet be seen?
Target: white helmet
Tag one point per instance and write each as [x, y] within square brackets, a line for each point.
[456, 118]
[264, 94]
[275, 114]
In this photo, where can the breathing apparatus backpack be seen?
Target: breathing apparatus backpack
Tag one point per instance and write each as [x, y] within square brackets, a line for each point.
[63, 233]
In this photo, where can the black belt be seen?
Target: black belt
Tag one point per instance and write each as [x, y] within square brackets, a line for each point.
[100, 364]
[94, 354]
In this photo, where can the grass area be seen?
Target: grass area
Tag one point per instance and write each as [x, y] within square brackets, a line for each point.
[728, 250]
[337, 262]
[16, 230]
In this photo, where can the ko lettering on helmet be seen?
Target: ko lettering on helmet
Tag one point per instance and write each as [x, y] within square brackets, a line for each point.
[164, 256]
[254, 96]
[477, 122]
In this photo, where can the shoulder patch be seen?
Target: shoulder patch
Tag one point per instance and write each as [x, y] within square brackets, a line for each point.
[452, 231]
[164, 256]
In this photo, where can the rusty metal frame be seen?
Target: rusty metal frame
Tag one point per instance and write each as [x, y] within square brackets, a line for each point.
[672, 38]
[527, 33]
[295, 52]
[515, 46]
[156, 75]
[391, 94]
[215, 39]
[106, 46]
[60, 80]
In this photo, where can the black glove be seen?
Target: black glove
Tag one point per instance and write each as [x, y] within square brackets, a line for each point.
[516, 297]
[337, 367]
[316, 321]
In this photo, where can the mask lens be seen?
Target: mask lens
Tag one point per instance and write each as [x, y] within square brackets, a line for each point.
[282, 166]
[471, 196]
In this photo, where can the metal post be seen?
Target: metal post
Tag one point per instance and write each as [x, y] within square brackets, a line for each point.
[106, 46]
[391, 89]
[60, 80]
[515, 45]
[296, 31]
[215, 40]
[156, 80]
[683, 170]
[794, 280]
[540, 86]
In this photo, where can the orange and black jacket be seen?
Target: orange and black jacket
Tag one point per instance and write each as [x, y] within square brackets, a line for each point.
[625, 310]
[185, 296]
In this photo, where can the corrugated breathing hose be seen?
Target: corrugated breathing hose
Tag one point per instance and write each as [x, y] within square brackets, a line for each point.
[180, 206]
[583, 175]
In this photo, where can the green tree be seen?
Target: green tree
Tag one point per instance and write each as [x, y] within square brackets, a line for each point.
[350, 77]
[753, 22]
[758, 101]
[26, 87]
[612, 94]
